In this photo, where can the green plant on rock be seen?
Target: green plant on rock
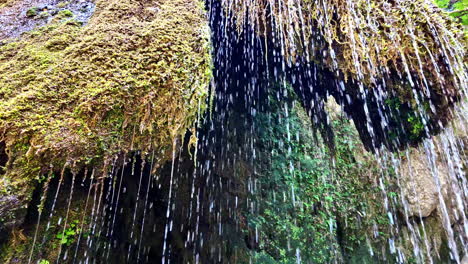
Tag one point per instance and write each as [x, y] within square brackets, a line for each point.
[416, 126]
[44, 14]
[68, 236]
[457, 9]
[63, 4]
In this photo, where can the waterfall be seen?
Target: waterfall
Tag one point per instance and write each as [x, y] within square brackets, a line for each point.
[331, 131]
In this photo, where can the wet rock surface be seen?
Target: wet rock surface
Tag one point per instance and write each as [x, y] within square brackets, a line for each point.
[12, 212]
[18, 17]
[419, 184]
[465, 260]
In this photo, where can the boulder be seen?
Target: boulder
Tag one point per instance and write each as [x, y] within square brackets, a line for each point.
[418, 184]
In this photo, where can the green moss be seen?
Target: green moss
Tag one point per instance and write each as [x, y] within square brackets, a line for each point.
[63, 4]
[371, 42]
[457, 9]
[132, 78]
[44, 14]
[31, 12]
[53, 233]
[307, 200]
[416, 126]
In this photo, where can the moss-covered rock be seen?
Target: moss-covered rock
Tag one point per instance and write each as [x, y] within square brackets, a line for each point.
[390, 45]
[43, 237]
[364, 52]
[17, 17]
[135, 77]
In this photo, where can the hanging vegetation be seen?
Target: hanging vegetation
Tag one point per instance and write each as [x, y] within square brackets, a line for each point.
[390, 45]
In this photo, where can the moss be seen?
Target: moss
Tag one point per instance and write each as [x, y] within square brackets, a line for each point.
[132, 78]
[65, 13]
[63, 4]
[389, 44]
[32, 12]
[348, 201]
[44, 14]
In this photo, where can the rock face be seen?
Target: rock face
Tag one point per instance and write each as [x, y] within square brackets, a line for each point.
[433, 193]
[419, 185]
[464, 260]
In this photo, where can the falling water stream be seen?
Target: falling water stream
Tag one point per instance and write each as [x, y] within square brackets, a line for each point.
[208, 204]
